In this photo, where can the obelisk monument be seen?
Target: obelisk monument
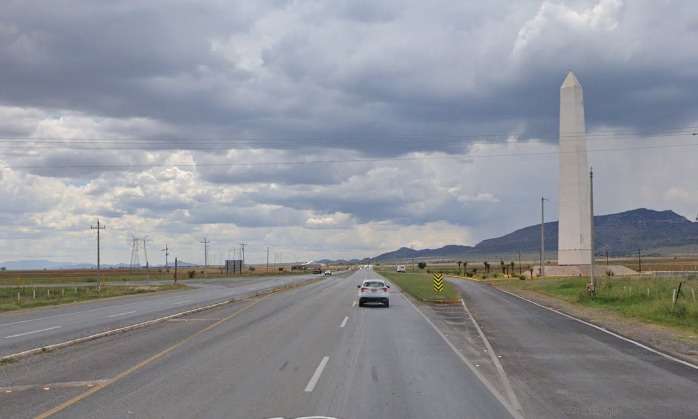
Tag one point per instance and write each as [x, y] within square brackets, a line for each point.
[574, 229]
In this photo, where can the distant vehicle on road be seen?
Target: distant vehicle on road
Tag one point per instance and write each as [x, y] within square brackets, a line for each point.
[400, 268]
[328, 273]
[374, 291]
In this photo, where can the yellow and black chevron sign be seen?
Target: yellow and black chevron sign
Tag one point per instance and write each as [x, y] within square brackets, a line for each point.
[438, 283]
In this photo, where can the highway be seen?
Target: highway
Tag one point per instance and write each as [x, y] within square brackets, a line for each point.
[308, 351]
[26, 329]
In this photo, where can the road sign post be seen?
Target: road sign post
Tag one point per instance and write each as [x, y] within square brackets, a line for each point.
[438, 283]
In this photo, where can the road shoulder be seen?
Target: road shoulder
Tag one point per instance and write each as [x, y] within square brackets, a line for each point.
[665, 339]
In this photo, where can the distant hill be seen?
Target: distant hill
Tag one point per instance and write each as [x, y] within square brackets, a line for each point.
[38, 264]
[622, 234]
[405, 253]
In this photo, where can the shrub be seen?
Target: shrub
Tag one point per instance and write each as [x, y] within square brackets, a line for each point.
[678, 310]
[422, 265]
[191, 274]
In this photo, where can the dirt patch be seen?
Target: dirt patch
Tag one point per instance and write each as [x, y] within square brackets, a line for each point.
[678, 343]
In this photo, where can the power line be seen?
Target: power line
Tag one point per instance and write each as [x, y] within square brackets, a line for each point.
[468, 157]
[285, 140]
[197, 145]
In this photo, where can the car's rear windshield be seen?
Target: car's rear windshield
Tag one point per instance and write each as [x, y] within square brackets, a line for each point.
[374, 284]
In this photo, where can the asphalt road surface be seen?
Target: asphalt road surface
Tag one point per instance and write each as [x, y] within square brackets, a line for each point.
[28, 329]
[309, 351]
[562, 368]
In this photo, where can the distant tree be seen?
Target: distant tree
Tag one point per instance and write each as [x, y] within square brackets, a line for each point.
[501, 264]
[459, 265]
[422, 265]
[465, 267]
[511, 268]
[487, 267]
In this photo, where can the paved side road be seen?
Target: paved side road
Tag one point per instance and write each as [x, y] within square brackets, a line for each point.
[28, 329]
[306, 352]
[562, 368]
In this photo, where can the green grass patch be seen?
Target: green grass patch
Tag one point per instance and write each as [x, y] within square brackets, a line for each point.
[649, 300]
[419, 285]
[29, 297]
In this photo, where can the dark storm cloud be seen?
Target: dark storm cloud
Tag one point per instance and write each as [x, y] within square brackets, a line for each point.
[360, 75]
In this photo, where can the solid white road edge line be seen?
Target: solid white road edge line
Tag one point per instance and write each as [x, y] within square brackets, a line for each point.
[602, 329]
[316, 375]
[33, 332]
[344, 322]
[498, 365]
[472, 368]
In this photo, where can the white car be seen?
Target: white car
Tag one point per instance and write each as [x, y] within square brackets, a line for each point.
[400, 268]
[374, 291]
[328, 273]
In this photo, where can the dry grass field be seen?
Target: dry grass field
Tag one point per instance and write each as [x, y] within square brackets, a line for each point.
[73, 276]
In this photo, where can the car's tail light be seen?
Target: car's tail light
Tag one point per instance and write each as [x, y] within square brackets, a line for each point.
[385, 290]
[364, 289]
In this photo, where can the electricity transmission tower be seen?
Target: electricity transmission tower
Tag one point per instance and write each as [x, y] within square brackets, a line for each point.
[242, 250]
[136, 244]
[135, 256]
[205, 242]
[145, 251]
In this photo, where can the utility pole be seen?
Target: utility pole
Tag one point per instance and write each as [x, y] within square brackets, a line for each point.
[267, 258]
[606, 254]
[167, 253]
[639, 260]
[175, 273]
[145, 252]
[519, 262]
[205, 242]
[98, 227]
[542, 236]
[591, 223]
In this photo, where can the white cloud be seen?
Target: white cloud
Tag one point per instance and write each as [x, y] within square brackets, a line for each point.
[555, 17]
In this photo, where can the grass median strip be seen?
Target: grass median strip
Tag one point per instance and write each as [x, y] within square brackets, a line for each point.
[649, 300]
[419, 286]
[30, 297]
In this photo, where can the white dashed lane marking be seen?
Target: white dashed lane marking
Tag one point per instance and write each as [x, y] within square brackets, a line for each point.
[316, 376]
[121, 314]
[32, 332]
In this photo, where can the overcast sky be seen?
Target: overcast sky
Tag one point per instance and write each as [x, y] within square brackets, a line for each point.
[329, 128]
